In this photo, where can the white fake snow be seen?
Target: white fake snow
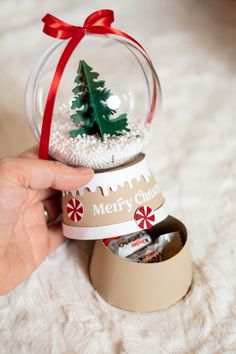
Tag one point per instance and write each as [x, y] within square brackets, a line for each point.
[91, 150]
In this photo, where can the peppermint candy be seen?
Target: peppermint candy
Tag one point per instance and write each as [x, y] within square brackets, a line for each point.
[144, 217]
[75, 209]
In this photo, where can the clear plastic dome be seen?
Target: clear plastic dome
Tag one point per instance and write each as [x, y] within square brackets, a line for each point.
[130, 83]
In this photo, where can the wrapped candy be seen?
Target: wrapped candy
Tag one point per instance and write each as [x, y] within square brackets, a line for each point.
[129, 244]
[141, 247]
[150, 254]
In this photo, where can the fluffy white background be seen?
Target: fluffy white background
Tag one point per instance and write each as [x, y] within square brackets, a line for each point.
[192, 153]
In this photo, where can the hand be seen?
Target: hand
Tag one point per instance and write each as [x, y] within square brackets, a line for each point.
[27, 184]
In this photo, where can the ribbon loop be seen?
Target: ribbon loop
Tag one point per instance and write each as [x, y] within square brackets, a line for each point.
[99, 18]
[56, 28]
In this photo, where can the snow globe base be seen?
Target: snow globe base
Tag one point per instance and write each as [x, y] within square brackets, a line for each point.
[123, 200]
[143, 287]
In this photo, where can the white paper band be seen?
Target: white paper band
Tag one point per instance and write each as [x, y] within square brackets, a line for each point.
[100, 232]
[113, 179]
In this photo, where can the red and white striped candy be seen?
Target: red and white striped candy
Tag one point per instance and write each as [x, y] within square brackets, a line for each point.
[144, 217]
[75, 209]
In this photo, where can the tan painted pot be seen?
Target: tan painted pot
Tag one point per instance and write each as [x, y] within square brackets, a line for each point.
[143, 286]
[116, 202]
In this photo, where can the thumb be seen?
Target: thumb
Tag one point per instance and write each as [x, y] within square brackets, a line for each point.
[40, 174]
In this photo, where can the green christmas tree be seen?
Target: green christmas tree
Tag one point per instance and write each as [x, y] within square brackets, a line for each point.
[92, 114]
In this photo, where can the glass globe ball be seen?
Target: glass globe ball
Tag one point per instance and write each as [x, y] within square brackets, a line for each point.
[132, 94]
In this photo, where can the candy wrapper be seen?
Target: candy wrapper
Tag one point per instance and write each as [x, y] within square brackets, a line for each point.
[172, 243]
[127, 245]
[150, 254]
[165, 247]
[139, 247]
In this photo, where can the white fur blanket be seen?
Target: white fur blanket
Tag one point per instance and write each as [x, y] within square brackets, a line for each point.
[192, 153]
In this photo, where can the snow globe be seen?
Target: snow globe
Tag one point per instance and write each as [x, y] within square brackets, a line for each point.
[105, 103]
[90, 101]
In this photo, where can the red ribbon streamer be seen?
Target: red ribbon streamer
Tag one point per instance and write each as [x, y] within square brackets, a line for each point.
[98, 22]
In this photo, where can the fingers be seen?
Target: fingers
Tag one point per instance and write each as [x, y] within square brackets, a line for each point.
[38, 174]
[53, 208]
[43, 194]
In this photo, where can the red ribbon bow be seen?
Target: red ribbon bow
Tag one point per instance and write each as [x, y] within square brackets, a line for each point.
[98, 22]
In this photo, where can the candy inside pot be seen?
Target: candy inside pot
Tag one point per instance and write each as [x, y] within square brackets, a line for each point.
[145, 248]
